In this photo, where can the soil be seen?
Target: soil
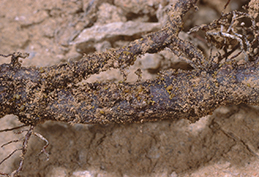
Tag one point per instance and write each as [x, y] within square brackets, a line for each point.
[222, 144]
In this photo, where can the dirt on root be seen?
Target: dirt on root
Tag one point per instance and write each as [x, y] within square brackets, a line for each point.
[224, 143]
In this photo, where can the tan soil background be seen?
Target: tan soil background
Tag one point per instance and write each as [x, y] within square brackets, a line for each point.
[223, 144]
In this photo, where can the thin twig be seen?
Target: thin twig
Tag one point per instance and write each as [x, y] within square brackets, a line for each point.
[14, 128]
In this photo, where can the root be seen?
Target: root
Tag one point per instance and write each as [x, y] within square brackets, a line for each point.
[36, 95]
